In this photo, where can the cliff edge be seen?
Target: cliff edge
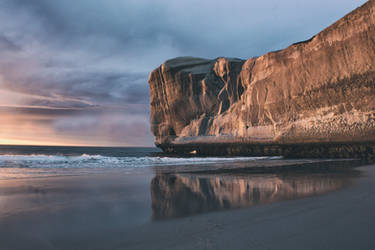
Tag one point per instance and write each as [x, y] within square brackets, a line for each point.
[317, 92]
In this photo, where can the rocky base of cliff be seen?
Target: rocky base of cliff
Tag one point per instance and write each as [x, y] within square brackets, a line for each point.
[363, 150]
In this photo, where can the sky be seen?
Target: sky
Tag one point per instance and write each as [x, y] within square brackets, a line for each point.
[74, 72]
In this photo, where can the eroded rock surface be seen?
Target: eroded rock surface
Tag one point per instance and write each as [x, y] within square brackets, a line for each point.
[317, 91]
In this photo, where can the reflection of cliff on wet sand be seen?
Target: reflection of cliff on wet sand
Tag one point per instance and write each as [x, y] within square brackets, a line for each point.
[176, 195]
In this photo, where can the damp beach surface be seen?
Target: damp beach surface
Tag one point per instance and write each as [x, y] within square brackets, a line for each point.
[315, 204]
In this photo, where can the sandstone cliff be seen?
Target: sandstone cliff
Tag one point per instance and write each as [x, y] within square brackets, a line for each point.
[320, 91]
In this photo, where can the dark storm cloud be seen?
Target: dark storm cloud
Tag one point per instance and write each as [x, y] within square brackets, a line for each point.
[92, 87]
[145, 33]
[87, 61]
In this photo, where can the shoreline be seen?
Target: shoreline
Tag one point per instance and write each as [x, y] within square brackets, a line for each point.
[178, 209]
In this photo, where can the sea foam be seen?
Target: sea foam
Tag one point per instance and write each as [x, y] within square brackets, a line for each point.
[99, 161]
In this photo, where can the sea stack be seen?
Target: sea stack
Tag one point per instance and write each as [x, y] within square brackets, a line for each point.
[315, 98]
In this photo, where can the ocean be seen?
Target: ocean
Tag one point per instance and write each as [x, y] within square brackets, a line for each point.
[39, 161]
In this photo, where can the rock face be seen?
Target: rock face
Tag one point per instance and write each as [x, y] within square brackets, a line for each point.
[317, 92]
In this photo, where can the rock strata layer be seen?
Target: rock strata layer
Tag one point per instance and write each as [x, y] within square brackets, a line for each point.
[314, 94]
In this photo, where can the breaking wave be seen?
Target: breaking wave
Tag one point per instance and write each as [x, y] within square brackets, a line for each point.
[99, 161]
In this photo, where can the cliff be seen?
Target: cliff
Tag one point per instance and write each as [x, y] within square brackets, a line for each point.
[317, 92]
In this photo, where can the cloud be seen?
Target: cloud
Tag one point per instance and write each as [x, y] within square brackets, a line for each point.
[81, 66]
[8, 45]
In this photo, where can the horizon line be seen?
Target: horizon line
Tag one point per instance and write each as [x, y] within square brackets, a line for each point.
[77, 146]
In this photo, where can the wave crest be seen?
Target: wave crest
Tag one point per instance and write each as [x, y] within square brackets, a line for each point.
[99, 161]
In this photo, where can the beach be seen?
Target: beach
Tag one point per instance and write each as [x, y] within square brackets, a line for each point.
[182, 125]
[177, 208]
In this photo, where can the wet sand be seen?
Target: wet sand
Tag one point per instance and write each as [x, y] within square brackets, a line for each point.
[157, 209]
